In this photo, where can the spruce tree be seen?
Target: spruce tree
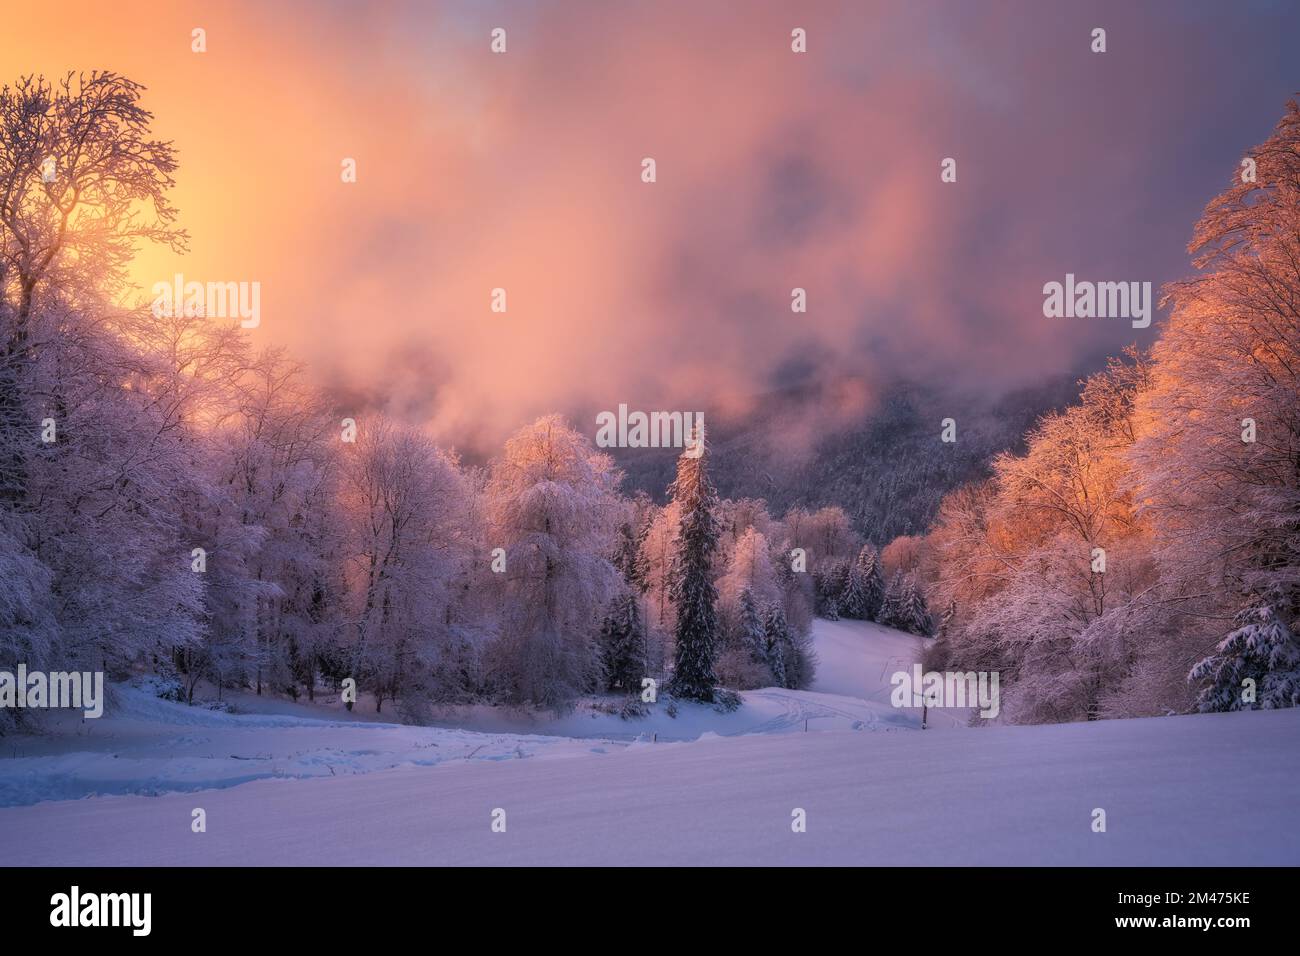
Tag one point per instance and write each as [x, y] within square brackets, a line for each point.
[1260, 648]
[779, 645]
[623, 643]
[628, 558]
[853, 603]
[914, 615]
[752, 635]
[822, 592]
[694, 594]
[843, 572]
[873, 585]
[831, 580]
[892, 603]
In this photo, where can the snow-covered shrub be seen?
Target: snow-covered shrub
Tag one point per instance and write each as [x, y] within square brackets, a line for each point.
[633, 708]
[162, 687]
[726, 701]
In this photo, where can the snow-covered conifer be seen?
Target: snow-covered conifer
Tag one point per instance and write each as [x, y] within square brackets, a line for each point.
[872, 582]
[623, 643]
[694, 594]
[1261, 649]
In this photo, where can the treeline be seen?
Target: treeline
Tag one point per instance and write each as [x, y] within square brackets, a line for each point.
[883, 467]
[172, 502]
[1143, 556]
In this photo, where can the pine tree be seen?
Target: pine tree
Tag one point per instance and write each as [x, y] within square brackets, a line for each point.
[873, 585]
[623, 643]
[832, 609]
[1260, 648]
[776, 644]
[694, 594]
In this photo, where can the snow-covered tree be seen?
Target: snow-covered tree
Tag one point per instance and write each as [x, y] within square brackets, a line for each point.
[872, 582]
[749, 568]
[912, 614]
[1215, 463]
[742, 661]
[98, 502]
[831, 581]
[891, 606]
[789, 653]
[71, 239]
[828, 535]
[623, 643]
[863, 589]
[905, 554]
[752, 634]
[658, 545]
[852, 603]
[778, 650]
[946, 619]
[1045, 559]
[750, 577]
[554, 511]
[694, 594]
[627, 557]
[405, 506]
[29, 630]
[271, 503]
[1257, 666]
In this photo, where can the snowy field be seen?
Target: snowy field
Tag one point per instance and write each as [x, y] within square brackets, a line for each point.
[310, 785]
[149, 746]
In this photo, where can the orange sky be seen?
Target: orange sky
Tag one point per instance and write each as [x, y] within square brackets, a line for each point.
[775, 170]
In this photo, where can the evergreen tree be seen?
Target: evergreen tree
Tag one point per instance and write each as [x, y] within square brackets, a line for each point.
[830, 581]
[753, 637]
[1260, 648]
[843, 572]
[801, 659]
[821, 591]
[891, 606]
[628, 558]
[831, 611]
[913, 615]
[623, 643]
[694, 594]
[779, 645]
[853, 603]
[873, 584]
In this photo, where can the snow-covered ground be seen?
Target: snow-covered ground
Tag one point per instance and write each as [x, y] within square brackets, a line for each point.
[149, 746]
[1211, 789]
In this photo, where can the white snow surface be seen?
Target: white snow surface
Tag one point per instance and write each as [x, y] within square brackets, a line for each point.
[149, 746]
[312, 785]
